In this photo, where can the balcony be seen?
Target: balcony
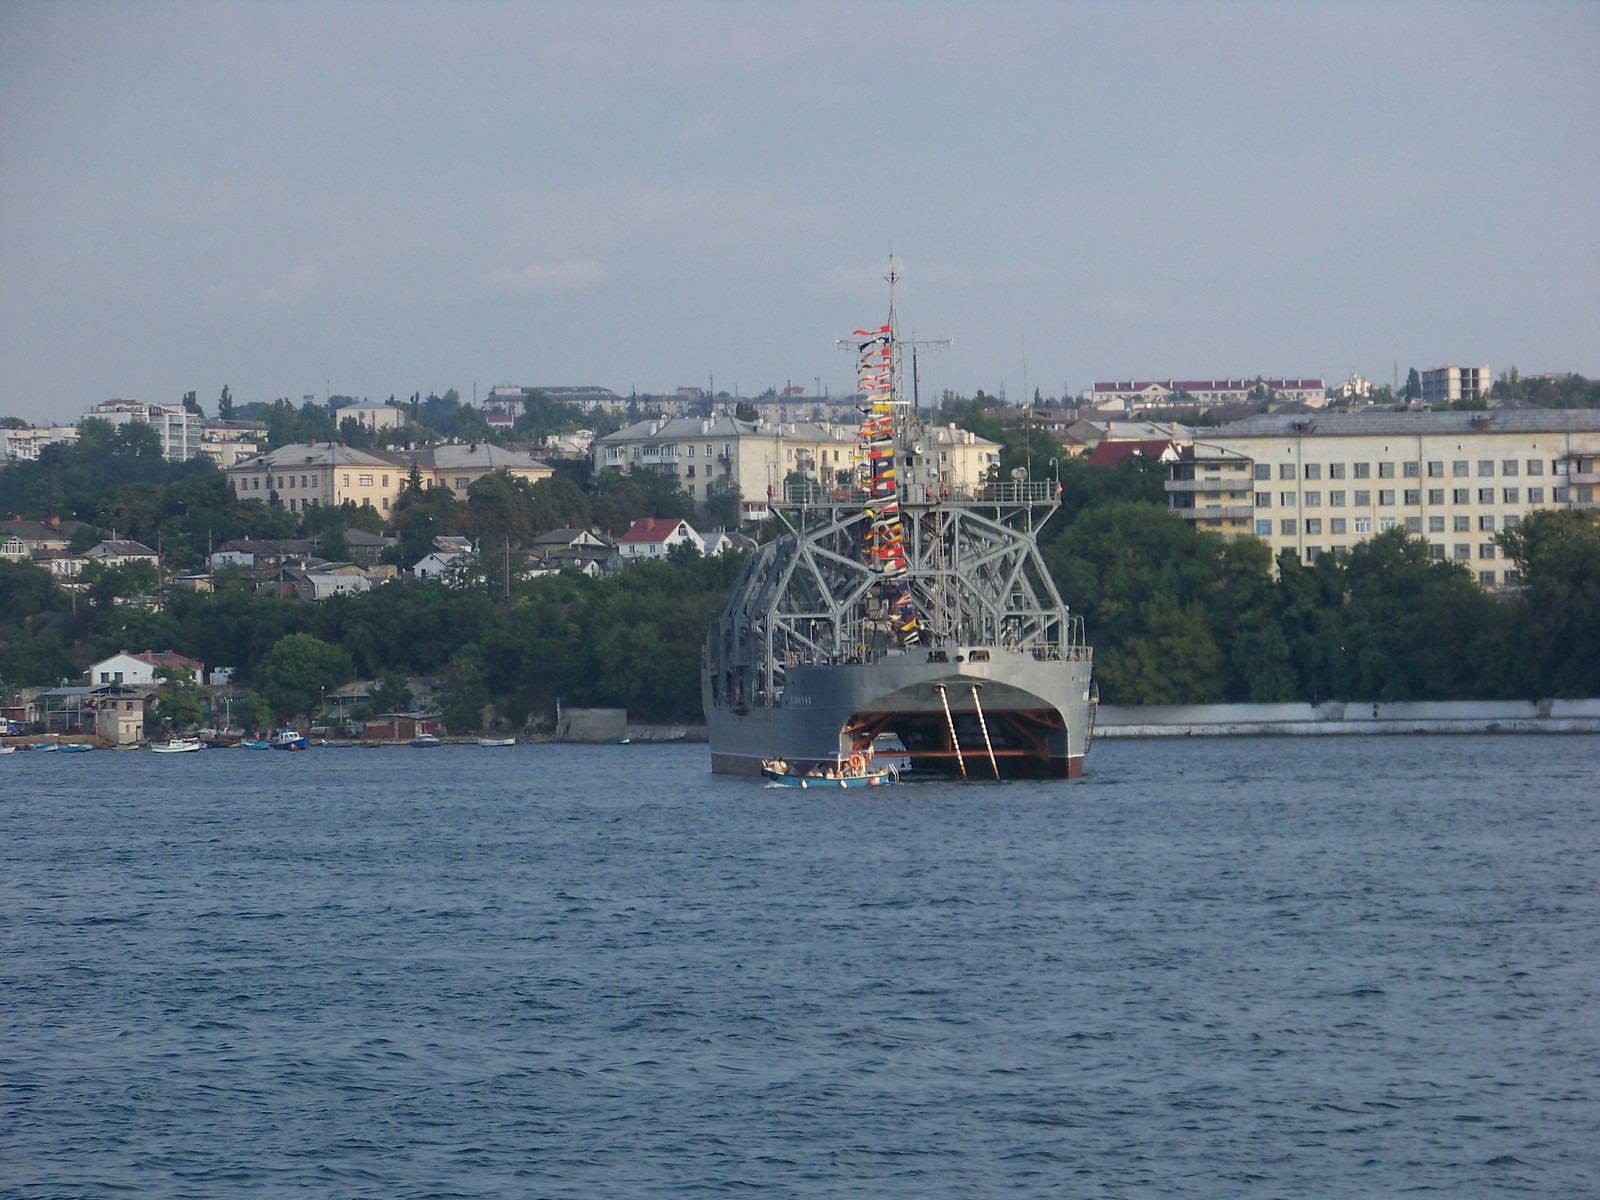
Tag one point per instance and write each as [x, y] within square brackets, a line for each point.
[1207, 485]
[1228, 512]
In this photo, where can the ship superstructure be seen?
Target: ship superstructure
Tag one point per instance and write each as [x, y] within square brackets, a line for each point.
[898, 601]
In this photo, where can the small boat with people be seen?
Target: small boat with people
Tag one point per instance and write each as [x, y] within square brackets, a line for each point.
[843, 771]
[177, 746]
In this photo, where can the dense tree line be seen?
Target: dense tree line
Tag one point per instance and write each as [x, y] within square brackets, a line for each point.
[1176, 615]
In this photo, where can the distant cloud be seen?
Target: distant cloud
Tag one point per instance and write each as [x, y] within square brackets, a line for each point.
[547, 279]
[300, 280]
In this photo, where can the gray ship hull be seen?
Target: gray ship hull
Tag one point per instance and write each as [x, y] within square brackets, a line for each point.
[1009, 715]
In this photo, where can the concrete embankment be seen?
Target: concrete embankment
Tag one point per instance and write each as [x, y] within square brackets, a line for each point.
[1255, 720]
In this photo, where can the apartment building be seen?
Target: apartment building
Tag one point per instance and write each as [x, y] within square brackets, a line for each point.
[1319, 484]
[1447, 385]
[181, 431]
[708, 453]
[320, 473]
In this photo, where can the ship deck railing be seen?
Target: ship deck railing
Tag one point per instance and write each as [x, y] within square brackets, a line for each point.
[1043, 651]
[815, 495]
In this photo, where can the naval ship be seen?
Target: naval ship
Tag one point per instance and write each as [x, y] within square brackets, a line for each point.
[897, 603]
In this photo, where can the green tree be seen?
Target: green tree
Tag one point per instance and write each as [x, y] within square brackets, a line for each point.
[298, 671]
[178, 701]
[1557, 553]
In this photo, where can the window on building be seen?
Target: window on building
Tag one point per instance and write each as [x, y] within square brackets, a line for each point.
[1412, 497]
[1485, 495]
[1385, 524]
[1313, 470]
[1363, 524]
[1508, 467]
[1485, 549]
[1264, 528]
[1285, 470]
[1435, 524]
[1363, 498]
[345, 478]
[302, 481]
[708, 449]
[1458, 466]
[462, 483]
[1435, 495]
[1536, 466]
[385, 481]
[1413, 524]
[1461, 551]
[1363, 470]
[1313, 553]
[691, 451]
[1336, 499]
[1335, 470]
[364, 480]
[1263, 499]
[1286, 527]
[1286, 499]
[1461, 496]
[386, 504]
[1486, 522]
[1485, 468]
[691, 469]
[1313, 524]
[1312, 499]
[1463, 524]
[1536, 495]
[1335, 524]
[1486, 578]
[1385, 497]
[1437, 552]
[1512, 520]
[1411, 470]
[1559, 495]
[1511, 495]
[291, 505]
[1386, 470]
[1436, 470]
[1513, 578]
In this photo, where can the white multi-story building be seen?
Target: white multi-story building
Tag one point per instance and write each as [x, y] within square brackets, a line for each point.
[709, 454]
[1319, 484]
[1448, 385]
[23, 445]
[1127, 395]
[182, 432]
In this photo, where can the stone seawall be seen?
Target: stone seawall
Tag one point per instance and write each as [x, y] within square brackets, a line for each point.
[1255, 720]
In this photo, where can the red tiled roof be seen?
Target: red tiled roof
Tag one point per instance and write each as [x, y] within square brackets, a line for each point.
[651, 529]
[1111, 454]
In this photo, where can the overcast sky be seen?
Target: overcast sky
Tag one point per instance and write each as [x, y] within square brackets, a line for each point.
[377, 198]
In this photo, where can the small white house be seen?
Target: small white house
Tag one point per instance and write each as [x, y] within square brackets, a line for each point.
[654, 537]
[139, 670]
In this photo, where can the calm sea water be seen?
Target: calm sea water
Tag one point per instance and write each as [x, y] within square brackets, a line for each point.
[1316, 967]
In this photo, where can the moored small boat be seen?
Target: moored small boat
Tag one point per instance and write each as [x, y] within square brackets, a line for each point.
[8, 749]
[254, 744]
[487, 741]
[75, 747]
[177, 746]
[289, 738]
[425, 740]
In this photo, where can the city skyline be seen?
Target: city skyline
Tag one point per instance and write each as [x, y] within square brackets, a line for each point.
[373, 199]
